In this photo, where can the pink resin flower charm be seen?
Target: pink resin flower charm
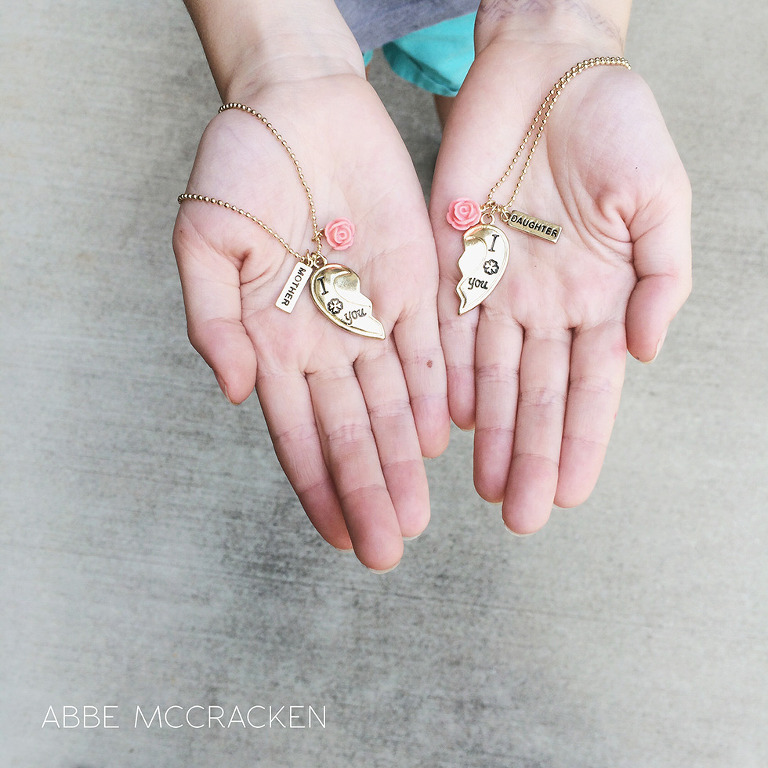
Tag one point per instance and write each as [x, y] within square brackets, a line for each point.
[463, 213]
[340, 234]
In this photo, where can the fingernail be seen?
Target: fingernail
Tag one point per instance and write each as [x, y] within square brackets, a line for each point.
[223, 387]
[412, 538]
[386, 570]
[658, 347]
[519, 535]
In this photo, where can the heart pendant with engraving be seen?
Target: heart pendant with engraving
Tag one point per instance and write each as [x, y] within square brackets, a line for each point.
[336, 291]
[485, 257]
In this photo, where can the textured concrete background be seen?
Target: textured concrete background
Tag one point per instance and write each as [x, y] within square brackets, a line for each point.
[151, 552]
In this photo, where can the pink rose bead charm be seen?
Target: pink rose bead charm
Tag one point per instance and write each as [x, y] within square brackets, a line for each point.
[340, 234]
[463, 213]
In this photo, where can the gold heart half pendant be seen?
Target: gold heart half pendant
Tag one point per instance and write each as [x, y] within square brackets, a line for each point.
[336, 291]
[485, 257]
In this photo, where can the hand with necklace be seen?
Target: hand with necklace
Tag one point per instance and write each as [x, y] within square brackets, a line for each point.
[582, 252]
[308, 270]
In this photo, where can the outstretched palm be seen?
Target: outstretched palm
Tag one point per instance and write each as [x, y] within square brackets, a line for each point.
[349, 416]
[538, 367]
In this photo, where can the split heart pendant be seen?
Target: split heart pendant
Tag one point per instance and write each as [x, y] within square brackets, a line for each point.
[336, 291]
[485, 257]
[486, 247]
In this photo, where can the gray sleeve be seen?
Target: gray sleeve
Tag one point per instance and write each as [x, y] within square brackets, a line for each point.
[375, 22]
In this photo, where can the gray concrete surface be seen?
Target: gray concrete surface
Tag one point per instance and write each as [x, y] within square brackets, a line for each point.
[151, 552]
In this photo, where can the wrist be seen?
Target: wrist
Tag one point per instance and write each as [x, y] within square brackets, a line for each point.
[594, 27]
[251, 44]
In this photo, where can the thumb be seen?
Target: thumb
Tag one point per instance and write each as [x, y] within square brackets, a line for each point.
[662, 256]
[226, 347]
[211, 286]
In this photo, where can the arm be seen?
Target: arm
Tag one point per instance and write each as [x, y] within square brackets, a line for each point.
[254, 43]
[600, 25]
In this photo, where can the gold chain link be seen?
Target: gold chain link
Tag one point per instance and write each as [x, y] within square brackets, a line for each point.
[312, 259]
[540, 120]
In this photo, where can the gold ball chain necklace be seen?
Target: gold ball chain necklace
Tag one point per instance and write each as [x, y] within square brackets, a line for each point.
[335, 288]
[486, 247]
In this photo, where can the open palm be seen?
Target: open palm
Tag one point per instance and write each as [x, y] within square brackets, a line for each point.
[538, 367]
[350, 417]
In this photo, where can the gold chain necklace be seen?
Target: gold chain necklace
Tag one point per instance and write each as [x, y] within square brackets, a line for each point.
[486, 247]
[335, 288]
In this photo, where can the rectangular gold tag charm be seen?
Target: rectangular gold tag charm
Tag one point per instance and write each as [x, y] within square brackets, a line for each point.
[293, 287]
[533, 226]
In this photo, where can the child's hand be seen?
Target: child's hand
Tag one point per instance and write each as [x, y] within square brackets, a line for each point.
[350, 417]
[538, 368]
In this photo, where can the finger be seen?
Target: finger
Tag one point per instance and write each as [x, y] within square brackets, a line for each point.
[211, 287]
[418, 345]
[455, 178]
[662, 255]
[397, 441]
[598, 359]
[457, 336]
[353, 462]
[290, 418]
[499, 345]
[532, 481]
